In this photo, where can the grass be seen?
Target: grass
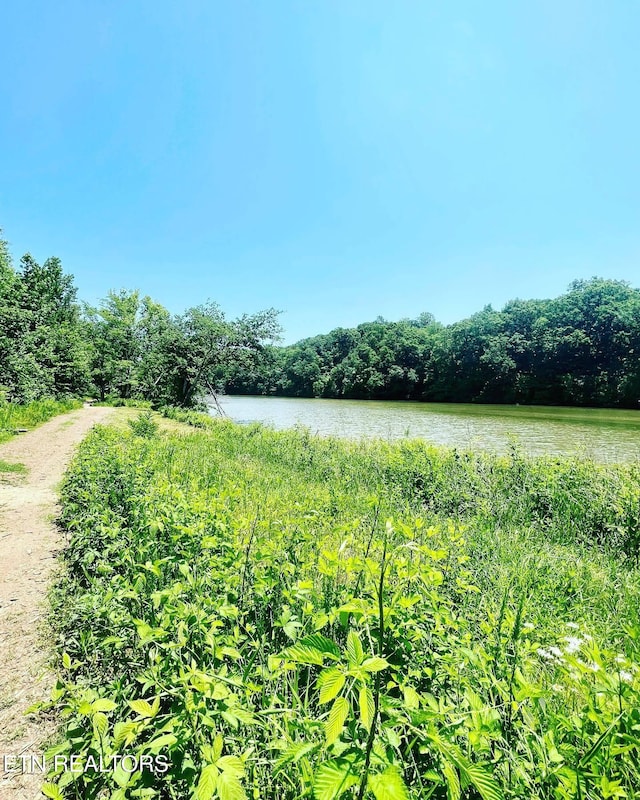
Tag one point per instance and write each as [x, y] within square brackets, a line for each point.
[273, 615]
[14, 416]
[12, 468]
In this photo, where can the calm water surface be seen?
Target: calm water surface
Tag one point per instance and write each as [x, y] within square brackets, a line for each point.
[605, 435]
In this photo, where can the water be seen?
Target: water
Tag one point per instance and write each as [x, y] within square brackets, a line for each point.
[602, 434]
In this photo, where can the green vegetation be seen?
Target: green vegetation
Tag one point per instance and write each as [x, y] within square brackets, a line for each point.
[580, 349]
[128, 347]
[14, 416]
[12, 468]
[290, 617]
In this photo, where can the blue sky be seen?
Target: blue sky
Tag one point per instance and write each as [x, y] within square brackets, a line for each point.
[336, 160]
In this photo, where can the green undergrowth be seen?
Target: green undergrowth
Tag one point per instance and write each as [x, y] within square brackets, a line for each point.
[284, 616]
[14, 416]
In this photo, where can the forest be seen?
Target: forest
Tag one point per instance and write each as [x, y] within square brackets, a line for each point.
[580, 349]
[129, 347]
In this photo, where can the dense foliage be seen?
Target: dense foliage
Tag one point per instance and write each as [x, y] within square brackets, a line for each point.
[43, 352]
[128, 347]
[582, 348]
[282, 616]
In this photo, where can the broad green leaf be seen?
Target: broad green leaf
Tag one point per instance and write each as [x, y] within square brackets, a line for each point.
[303, 654]
[330, 681]
[354, 648]
[102, 704]
[312, 650]
[484, 782]
[388, 785]
[374, 664]
[411, 697]
[294, 753]
[321, 643]
[85, 708]
[121, 776]
[218, 743]
[123, 732]
[100, 723]
[142, 707]
[66, 661]
[367, 706]
[229, 786]
[52, 791]
[231, 764]
[333, 778]
[337, 716]
[206, 783]
[453, 782]
[162, 742]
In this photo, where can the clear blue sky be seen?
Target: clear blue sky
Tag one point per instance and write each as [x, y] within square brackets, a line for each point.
[338, 159]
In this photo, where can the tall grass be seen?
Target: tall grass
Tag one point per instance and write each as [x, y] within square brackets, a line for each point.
[283, 616]
[14, 416]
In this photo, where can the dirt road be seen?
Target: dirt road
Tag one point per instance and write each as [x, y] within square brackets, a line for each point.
[28, 542]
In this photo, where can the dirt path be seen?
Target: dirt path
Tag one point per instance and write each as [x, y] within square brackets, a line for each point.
[28, 542]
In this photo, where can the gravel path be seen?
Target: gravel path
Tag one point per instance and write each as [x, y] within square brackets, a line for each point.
[28, 544]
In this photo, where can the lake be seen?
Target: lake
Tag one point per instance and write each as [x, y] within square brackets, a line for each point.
[602, 434]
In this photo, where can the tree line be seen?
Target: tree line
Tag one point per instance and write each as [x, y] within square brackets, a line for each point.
[582, 348]
[129, 346]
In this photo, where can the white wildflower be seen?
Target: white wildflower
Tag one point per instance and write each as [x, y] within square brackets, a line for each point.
[573, 625]
[625, 676]
[552, 654]
[573, 644]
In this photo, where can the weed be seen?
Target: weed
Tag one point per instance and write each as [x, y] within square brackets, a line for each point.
[292, 617]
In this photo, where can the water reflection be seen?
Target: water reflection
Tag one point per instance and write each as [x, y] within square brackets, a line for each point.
[605, 435]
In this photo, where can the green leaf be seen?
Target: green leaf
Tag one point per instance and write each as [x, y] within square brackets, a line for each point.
[375, 664]
[207, 783]
[293, 754]
[161, 743]
[52, 791]
[102, 704]
[100, 724]
[354, 648]
[123, 732]
[453, 782]
[85, 708]
[66, 661]
[303, 654]
[229, 787]
[333, 778]
[121, 776]
[330, 681]
[337, 716]
[367, 706]
[486, 785]
[388, 785]
[321, 643]
[231, 764]
[142, 707]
